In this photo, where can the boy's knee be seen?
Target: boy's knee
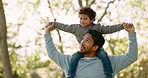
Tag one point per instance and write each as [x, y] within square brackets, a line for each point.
[101, 53]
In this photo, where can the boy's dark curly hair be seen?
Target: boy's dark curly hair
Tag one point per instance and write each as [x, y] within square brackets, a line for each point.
[88, 11]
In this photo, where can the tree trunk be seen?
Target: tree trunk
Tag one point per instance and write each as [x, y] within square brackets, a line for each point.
[3, 44]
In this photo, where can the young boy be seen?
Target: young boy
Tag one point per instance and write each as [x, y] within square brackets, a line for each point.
[87, 17]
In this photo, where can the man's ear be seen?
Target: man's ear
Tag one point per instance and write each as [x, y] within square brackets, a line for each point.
[95, 47]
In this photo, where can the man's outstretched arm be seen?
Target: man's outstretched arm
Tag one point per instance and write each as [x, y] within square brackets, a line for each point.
[59, 58]
[121, 61]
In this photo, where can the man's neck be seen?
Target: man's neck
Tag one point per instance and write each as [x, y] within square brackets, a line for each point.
[93, 54]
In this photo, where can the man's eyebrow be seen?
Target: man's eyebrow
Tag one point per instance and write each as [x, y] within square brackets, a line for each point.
[87, 38]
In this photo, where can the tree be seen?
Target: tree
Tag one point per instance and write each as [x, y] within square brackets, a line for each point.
[3, 44]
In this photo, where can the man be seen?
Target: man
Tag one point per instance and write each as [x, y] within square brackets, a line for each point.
[90, 66]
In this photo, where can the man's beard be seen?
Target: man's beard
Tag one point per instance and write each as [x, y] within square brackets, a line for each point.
[83, 50]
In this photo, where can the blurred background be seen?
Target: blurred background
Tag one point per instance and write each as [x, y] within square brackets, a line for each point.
[22, 46]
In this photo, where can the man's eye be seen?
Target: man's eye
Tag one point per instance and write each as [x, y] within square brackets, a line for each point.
[87, 41]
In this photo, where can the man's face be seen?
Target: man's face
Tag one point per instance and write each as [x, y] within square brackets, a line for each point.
[85, 20]
[86, 46]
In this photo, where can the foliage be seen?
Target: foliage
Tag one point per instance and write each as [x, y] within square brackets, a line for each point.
[27, 51]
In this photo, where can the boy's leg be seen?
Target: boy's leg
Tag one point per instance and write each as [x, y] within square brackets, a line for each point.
[106, 62]
[74, 63]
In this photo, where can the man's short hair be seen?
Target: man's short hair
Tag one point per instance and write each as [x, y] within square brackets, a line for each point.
[97, 37]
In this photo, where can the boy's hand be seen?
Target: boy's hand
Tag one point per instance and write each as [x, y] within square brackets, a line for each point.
[129, 27]
[49, 27]
[124, 24]
[49, 24]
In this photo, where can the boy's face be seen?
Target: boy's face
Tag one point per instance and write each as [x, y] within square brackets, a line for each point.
[85, 20]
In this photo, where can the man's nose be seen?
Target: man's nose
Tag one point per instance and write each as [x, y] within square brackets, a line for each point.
[82, 42]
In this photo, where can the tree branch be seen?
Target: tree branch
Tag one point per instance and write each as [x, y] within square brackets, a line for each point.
[105, 11]
[60, 40]
[51, 9]
[92, 2]
[80, 3]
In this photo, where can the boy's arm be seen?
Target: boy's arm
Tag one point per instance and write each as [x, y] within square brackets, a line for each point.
[110, 28]
[64, 27]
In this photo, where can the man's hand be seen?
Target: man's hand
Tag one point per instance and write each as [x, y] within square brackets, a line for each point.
[49, 28]
[129, 27]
